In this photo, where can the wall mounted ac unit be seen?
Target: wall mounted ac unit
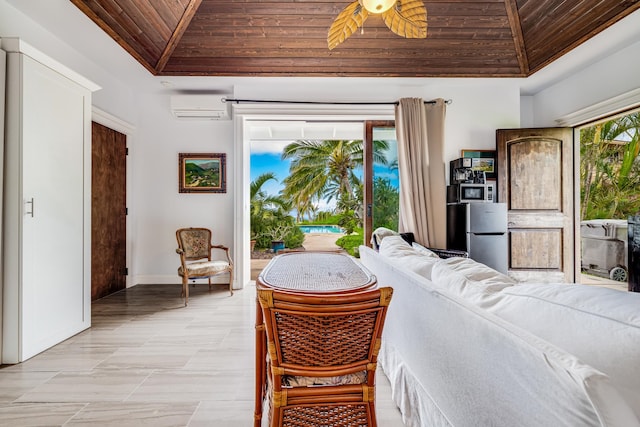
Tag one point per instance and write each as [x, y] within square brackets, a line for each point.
[203, 107]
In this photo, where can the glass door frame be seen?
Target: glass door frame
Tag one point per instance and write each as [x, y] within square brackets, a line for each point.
[367, 196]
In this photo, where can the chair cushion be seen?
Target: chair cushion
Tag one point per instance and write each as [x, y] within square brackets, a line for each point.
[205, 268]
[299, 381]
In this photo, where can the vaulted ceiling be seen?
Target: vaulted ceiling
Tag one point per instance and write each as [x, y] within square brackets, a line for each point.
[472, 38]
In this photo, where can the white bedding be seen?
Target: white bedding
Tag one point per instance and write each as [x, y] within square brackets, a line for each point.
[599, 326]
[453, 363]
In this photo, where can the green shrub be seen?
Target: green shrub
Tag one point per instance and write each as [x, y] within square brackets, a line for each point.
[351, 242]
[322, 218]
[294, 239]
[348, 221]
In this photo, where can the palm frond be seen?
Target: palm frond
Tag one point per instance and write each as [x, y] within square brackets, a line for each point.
[407, 18]
[256, 185]
[346, 23]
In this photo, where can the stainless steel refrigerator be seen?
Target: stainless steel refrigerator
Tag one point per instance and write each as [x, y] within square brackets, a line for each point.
[481, 230]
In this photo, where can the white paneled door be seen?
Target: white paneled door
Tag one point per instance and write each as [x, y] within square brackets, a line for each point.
[47, 262]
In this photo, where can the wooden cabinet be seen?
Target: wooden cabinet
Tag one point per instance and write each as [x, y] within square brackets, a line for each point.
[47, 203]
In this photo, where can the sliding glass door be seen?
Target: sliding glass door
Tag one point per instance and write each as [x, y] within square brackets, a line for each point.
[381, 179]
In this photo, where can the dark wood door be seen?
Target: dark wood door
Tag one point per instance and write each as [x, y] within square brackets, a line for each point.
[108, 211]
[535, 179]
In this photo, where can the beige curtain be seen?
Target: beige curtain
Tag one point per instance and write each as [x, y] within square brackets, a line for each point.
[420, 135]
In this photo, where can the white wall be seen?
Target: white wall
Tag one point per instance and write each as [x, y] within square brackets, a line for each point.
[526, 111]
[159, 209]
[612, 76]
[479, 108]
[115, 97]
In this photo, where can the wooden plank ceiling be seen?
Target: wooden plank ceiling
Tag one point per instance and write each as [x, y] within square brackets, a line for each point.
[472, 38]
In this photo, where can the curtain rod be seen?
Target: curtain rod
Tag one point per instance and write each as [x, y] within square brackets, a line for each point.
[237, 101]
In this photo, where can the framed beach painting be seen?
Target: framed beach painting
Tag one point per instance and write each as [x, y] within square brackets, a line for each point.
[482, 160]
[202, 173]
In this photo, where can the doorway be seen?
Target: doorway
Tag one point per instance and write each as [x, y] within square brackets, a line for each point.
[108, 211]
[343, 181]
[609, 194]
[246, 116]
[119, 138]
[305, 178]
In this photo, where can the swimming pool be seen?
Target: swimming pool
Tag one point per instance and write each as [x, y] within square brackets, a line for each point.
[334, 229]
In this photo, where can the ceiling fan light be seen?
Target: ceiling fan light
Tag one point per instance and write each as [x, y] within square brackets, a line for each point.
[377, 6]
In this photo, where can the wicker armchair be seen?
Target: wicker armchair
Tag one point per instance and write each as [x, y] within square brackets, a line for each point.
[322, 352]
[194, 248]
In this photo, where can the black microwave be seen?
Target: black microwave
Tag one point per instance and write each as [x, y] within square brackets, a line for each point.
[467, 192]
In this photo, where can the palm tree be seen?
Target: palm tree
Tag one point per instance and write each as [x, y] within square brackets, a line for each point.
[261, 202]
[609, 168]
[386, 199]
[304, 206]
[264, 208]
[326, 170]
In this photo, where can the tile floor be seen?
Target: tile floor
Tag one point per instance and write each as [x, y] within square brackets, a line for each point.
[149, 361]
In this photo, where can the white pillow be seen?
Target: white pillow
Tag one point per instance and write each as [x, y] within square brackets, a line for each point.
[600, 326]
[424, 251]
[471, 280]
[395, 246]
[379, 234]
[405, 256]
[455, 283]
[478, 272]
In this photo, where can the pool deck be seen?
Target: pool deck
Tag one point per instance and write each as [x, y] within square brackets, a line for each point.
[321, 241]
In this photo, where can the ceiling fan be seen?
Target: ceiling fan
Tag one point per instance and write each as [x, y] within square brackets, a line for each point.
[406, 18]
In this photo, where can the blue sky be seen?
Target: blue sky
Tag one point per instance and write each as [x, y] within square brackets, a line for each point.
[265, 157]
[269, 162]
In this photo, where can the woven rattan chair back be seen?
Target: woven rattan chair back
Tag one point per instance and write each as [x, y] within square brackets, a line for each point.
[195, 244]
[323, 354]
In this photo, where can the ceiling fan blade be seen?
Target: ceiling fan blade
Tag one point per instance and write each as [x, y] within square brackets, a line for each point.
[346, 23]
[407, 18]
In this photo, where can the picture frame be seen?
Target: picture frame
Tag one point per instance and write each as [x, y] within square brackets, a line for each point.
[202, 173]
[482, 160]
